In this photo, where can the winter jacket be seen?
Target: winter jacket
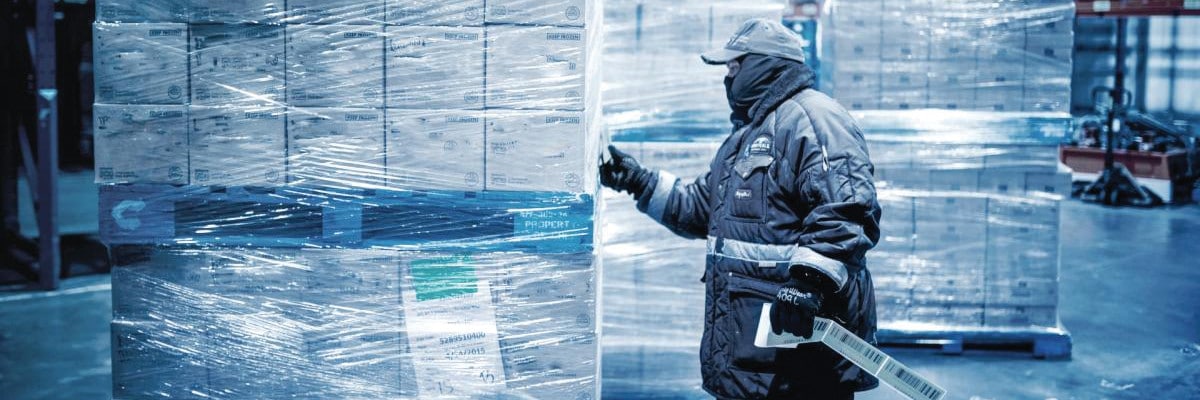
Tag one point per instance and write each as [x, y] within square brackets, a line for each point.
[792, 187]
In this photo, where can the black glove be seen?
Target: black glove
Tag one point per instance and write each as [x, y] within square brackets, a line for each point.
[622, 173]
[795, 306]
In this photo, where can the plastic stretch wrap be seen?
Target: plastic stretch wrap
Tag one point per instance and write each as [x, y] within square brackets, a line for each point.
[652, 56]
[967, 55]
[653, 297]
[351, 199]
[466, 96]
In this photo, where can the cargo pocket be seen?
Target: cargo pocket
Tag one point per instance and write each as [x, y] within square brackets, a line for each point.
[748, 199]
[746, 299]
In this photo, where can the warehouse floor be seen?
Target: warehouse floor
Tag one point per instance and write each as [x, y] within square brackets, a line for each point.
[1130, 295]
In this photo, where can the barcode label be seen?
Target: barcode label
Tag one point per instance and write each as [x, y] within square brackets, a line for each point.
[908, 382]
[820, 326]
[857, 351]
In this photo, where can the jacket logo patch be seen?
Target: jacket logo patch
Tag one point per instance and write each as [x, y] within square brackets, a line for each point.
[761, 145]
[742, 194]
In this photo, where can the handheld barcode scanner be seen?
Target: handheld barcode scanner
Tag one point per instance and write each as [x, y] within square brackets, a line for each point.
[863, 354]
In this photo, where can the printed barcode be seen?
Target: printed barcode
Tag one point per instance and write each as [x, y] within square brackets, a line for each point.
[821, 325]
[914, 382]
[860, 347]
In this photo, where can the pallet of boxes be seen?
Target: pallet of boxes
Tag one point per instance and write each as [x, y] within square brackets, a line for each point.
[964, 106]
[350, 199]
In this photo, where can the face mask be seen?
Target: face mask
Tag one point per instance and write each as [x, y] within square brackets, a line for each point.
[740, 115]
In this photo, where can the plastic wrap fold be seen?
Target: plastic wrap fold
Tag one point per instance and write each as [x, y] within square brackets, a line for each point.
[351, 199]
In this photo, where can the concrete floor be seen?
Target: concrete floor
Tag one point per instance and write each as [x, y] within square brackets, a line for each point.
[1130, 295]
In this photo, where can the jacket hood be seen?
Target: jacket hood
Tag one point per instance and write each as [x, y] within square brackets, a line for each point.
[762, 84]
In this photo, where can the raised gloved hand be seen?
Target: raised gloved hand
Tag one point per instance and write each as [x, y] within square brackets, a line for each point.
[621, 172]
[795, 307]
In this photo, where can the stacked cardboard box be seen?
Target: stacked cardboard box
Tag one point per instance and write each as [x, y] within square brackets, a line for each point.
[912, 54]
[141, 94]
[970, 233]
[362, 100]
[421, 64]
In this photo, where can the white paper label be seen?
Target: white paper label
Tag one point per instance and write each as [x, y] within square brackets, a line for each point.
[452, 329]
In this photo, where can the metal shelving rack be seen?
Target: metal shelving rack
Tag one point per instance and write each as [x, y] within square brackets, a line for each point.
[42, 256]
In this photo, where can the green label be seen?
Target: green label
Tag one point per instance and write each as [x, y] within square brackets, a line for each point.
[443, 277]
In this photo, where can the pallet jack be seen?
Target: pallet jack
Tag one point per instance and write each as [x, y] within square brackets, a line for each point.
[1116, 185]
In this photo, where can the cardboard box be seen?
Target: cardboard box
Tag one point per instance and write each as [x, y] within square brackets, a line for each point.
[1057, 183]
[952, 45]
[904, 76]
[236, 11]
[998, 96]
[435, 13]
[149, 282]
[354, 12]
[1031, 158]
[990, 51]
[905, 37]
[1054, 47]
[1040, 292]
[339, 147]
[1042, 213]
[1021, 316]
[149, 360]
[860, 74]
[949, 286]
[237, 146]
[540, 12]
[1048, 98]
[903, 99]
[960, 246]
[859, 100]
[1010, 181]
[907, 178]
[536, 151]
[435, 149]
[857, 46]
[237, 64]
[949, 315]
[335, 66]
[1020, 247]
[435, 67]
[954, 179]
[141, 144]
[897, 226]
[951, 207]
[141, 63]
[537, 68]
[126, 11]
[955, 75]
[952, 99]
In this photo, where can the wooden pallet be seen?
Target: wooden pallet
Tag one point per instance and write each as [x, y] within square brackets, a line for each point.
[294, 217]
[1045, 343]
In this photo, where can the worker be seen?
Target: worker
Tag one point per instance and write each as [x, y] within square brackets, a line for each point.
[788, 209]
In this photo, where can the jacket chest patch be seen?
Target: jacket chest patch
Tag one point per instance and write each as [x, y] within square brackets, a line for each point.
[743, 194]
[760, 146]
